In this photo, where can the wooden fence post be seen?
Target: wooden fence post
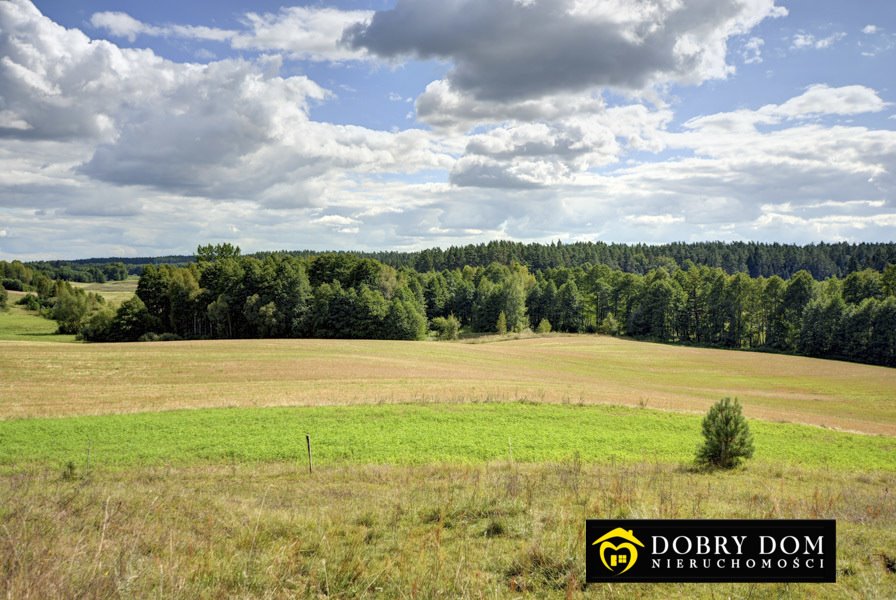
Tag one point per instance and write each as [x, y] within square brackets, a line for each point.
[308, 441]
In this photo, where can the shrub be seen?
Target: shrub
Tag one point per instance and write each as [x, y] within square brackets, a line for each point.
[727, 437]
[446, 327]
[544, 326]
[29, 301]
[609, 326]
[97, 327]
[502, 323]
[3, 298]
[12, 284]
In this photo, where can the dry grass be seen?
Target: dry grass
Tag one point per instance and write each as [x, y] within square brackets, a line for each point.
[498, 530]
[38, 380]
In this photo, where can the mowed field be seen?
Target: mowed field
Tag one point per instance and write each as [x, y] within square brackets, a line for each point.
[441, 470]
[115, 292]
[20, 325]
[48, 380]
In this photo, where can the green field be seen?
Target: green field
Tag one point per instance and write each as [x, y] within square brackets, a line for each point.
[18, 324]
[417, 434]
[455, 470]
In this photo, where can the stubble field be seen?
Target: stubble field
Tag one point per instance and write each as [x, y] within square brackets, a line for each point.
[115, 378]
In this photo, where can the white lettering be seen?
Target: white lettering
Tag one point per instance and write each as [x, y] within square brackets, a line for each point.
[702, 544]
[796, 544]
[816, 546]
[766, 563]
[665, 544]
[657, 563]
[721, 545]
[782, 563]
[739, 542]
[762, 549]
[677, 549]
[751, 564]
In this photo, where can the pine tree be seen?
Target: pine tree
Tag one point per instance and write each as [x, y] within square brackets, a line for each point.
[727, 436]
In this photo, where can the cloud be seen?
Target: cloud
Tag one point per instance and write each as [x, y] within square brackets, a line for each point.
[442, 106]
[752, 51]
[306, 33]
[540, 154]
[230, 129]
[121, 24]
[654, 220]
[807, 40]
[111, 151]
[818, 100]
[336, 220]
[302, 33]
[509, 50]
[821, 99]
[876, 41]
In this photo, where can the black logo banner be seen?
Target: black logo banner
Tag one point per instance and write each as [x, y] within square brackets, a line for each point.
[710, 550]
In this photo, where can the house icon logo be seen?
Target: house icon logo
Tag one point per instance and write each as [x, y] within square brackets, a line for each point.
[616, 556]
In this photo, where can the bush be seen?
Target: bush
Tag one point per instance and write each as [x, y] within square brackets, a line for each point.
[446, 327]
[98, 326]
[157, 337]
[727, 437]
[501, 326]
[544, 326]
[609, 326]
[29, 301]
[3, 298]
[14, 285]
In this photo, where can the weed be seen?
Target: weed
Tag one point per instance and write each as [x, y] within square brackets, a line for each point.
[69, 471]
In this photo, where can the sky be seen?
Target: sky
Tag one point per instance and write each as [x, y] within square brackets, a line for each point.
[140, 128]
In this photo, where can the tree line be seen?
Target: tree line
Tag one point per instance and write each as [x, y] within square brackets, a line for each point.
[756, 259]
[223, 294]
[822, 260]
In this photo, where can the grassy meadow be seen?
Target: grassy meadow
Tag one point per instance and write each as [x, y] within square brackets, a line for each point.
[115, 292]
[416, 434]
[455, 470]
[491, 530]
[20, 325]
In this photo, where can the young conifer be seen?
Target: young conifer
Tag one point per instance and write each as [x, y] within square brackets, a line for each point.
[727, 437]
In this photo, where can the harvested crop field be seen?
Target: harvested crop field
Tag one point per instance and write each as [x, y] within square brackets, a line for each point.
[41, 380]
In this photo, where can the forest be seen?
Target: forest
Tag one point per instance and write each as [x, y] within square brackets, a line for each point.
[757, 259]
[223, 294]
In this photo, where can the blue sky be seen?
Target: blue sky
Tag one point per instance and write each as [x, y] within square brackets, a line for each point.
[135, 128]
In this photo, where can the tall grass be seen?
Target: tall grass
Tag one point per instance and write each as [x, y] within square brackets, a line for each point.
[495, 530]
